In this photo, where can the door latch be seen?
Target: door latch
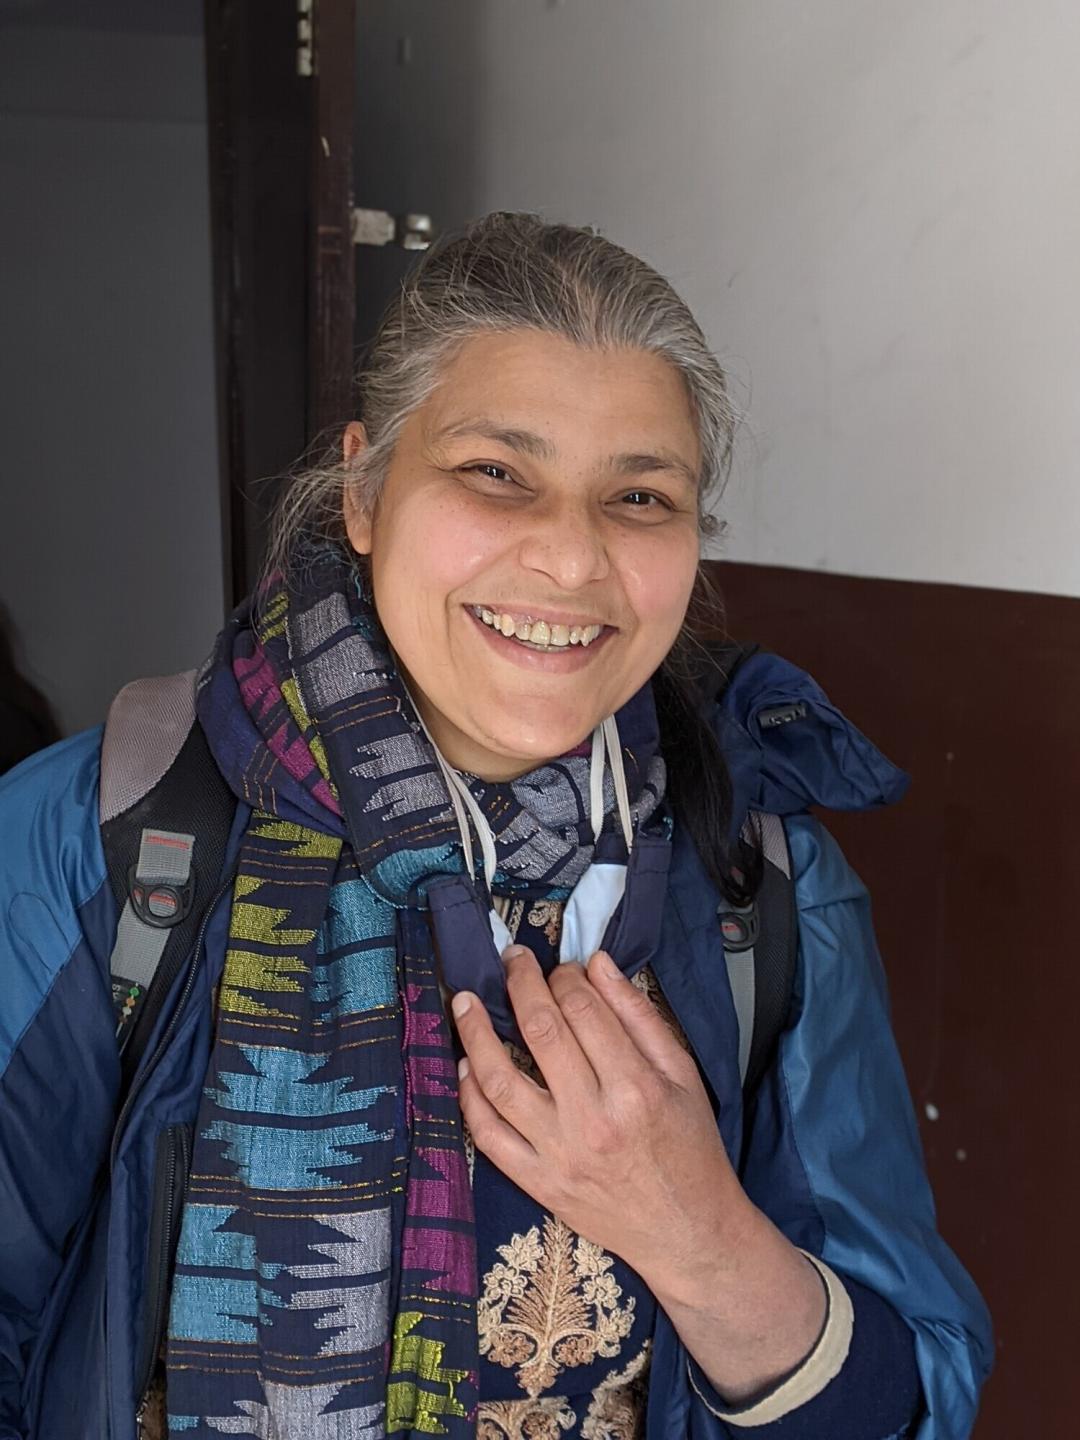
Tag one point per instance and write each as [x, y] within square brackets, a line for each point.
[379, 227]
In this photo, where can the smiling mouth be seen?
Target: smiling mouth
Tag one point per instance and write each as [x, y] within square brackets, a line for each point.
[544, 635]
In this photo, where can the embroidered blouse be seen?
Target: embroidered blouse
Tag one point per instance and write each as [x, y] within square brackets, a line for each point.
[564, 1326]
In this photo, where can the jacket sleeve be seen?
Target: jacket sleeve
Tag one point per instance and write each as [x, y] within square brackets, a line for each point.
[834, 1158]
[58, 1063]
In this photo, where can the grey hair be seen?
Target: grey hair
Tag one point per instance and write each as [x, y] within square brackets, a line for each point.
[505, 271]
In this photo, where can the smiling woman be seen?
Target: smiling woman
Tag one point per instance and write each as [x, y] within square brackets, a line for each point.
[490, 789]
[530, 516]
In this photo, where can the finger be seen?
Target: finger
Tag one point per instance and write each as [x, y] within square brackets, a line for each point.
[639, 1017]
[593, 1022]
[545, 1029]
[495, 1137]
[516, 1097]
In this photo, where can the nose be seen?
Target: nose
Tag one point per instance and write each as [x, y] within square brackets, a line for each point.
[565, 543]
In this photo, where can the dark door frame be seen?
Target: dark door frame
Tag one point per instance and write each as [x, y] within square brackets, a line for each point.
[280, 86]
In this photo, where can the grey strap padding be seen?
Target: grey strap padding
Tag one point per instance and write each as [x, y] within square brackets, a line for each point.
[164, 860]
[148, 722]
[773, 841]
[768, 832]
[740, 969]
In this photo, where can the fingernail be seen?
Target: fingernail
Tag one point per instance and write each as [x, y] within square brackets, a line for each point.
[461, 1003]
[512, 952]
[605, 965]
[463, 1067]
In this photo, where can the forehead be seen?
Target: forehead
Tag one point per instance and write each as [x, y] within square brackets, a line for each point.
[570, 394]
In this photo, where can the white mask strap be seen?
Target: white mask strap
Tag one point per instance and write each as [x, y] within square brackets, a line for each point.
[459, 815]
[479, 819]
[462, 800]
[596, 783]
[618, 776]
[605, 738]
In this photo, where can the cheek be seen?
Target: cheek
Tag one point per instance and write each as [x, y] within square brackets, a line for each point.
[658, 577]
[423, 558]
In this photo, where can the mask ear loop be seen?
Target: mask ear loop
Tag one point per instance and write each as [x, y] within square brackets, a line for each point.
[479, 819]
[600, 740]
[605, 737]
[596, 783]
[461, 800]
[618, 775]
[460, 816]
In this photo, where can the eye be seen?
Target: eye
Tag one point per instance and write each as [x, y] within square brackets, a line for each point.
[645, 500]
[498, 476]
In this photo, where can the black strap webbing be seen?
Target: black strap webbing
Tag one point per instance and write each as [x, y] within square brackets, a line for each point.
[775, 957]
[193, 799]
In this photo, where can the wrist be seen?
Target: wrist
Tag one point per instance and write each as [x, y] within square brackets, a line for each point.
[700, 1258]
[749, 1309]
[802, 1384]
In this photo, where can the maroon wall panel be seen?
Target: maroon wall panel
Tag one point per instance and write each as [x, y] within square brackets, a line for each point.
[977, 694]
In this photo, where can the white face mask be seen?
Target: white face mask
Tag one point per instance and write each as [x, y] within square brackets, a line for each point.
[593, 901]
[595, 898]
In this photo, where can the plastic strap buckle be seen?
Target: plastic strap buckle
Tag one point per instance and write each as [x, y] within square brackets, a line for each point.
[740, 927]
[161, 888]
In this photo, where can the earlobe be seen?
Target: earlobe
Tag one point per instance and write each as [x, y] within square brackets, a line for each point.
[357, 519]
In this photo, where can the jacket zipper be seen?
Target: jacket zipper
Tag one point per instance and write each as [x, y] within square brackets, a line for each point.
[170, 1178]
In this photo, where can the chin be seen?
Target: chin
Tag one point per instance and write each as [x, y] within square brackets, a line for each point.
[532, 746]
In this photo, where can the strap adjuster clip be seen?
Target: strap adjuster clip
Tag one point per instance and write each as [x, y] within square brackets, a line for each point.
[159, 903]
[740, 927]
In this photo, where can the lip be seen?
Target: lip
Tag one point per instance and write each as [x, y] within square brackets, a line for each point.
[555, 662]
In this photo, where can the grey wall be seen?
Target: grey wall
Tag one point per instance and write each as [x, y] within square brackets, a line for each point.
[110, 550]
[873, 209]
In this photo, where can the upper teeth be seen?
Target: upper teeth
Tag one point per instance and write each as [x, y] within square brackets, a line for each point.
[538, 632]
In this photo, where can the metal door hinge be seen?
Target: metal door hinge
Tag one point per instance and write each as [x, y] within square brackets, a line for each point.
[305, 37]
[379, 227]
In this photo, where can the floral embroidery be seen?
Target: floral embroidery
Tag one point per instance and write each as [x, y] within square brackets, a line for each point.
[470, 1148]
[547, 914]
[524, 1419]
[617, 1411]
[510, 911]
[524, 1061]
[648, 984]
[551, 1305]
[154, 1424]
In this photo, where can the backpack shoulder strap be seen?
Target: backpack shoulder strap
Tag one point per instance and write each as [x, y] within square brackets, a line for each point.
[760, 951]
[760, 940]
[165, 814]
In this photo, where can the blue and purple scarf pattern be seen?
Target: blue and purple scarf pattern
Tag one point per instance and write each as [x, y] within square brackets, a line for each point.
[325, 1281]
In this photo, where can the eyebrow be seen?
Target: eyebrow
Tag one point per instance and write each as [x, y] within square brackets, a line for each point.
[523, 441]
[526, 442]
[645, 464]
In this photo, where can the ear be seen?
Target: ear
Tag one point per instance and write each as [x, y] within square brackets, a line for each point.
[358, 524]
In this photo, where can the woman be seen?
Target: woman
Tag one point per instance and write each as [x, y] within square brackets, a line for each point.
[469, 733]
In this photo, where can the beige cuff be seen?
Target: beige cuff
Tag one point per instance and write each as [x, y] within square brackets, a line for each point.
[823, 1364]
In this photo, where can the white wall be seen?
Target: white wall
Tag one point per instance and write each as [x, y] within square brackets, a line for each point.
[110, 546]
[874, 210]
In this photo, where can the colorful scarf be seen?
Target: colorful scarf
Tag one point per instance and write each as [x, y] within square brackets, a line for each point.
[325, 1281]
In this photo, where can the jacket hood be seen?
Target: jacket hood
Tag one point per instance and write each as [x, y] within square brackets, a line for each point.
[787, 747]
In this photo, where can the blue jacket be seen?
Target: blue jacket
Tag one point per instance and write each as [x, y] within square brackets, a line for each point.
[833, 1156]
